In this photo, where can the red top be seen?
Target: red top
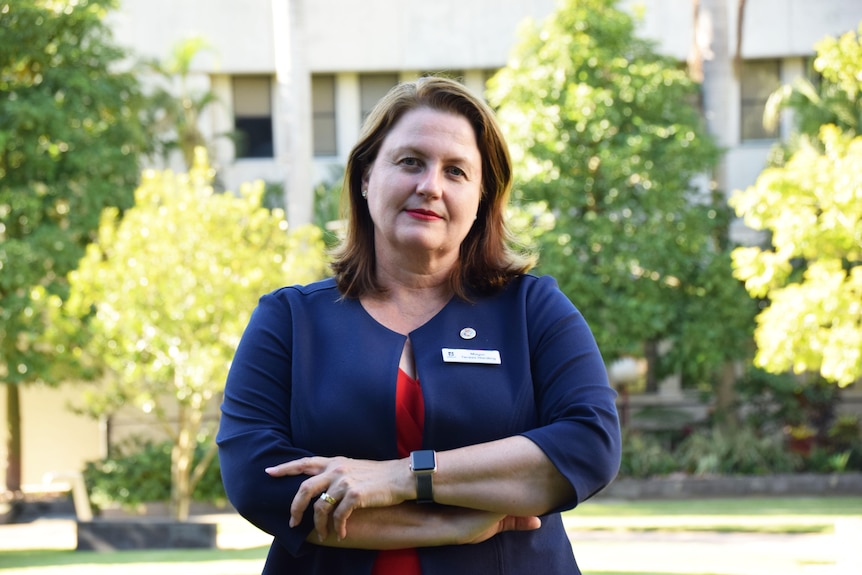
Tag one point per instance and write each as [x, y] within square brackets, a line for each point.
[409, 422]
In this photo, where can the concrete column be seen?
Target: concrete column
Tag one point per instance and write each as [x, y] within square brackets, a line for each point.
[221, 121]
[791, 69]
[292, 112]
[475, 81]
[716, 37]
[720, 84]
[347, 114]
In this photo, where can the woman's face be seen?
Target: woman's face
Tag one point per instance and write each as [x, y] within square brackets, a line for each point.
[424, 187]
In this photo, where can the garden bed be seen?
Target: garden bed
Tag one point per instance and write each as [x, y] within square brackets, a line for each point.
[683, 486]
[144, 533]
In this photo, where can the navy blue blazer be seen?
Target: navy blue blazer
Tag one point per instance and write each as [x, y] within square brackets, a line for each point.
[315, 374]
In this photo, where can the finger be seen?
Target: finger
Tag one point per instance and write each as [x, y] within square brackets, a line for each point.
[308, 490]
[322, 514]
[341, 514]
[306, 466]
[511, 523]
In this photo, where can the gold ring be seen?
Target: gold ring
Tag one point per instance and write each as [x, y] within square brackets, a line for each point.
[328, 498]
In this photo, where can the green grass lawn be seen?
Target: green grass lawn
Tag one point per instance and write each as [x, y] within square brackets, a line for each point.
[44, 558]
[767, 516]
[742, 515]
[748, 506]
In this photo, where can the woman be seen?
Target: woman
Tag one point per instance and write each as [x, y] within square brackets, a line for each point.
[431, 408]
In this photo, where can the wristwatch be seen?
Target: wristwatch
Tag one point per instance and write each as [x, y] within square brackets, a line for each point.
[423, 464]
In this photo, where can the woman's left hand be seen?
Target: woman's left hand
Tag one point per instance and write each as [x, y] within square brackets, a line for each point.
[352, 483]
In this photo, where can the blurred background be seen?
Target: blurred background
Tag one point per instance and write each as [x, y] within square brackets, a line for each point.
[165, 162]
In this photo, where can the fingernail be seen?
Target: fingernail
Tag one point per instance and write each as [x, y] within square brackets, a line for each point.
[291, 523]
[269, 469]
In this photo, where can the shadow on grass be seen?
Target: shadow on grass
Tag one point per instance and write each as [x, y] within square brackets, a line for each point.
[52, 557]
[758, 506]
[639, 573]
[818, 529]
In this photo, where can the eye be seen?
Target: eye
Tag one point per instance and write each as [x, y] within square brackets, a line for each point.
[409, 162]
[456, 171]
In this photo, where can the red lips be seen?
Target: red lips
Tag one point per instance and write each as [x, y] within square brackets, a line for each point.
[424, 214]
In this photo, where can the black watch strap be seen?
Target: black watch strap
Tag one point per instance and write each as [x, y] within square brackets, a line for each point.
[424, 490]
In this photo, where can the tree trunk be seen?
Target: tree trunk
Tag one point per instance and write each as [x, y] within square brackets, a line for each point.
[184, 477]
[13, 439]
[181, 462]
[725, 395]
[651, 356]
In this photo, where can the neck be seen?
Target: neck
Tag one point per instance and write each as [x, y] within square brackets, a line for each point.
[412, 297]
[409, 276]
[407, 285]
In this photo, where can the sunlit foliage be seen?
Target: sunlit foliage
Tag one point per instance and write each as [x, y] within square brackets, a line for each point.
[166, 291]
[810, 204]
[812, 272]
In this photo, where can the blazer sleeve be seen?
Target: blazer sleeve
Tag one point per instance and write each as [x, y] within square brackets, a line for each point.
[254, 432]
[578, 422]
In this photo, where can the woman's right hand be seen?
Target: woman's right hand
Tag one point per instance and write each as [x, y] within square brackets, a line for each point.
[415, 525]
[477, 526]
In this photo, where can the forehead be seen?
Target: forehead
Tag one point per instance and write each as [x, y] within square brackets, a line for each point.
[434, 129]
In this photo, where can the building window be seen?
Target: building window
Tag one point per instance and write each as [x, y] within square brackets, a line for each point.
[323, 115]
[372, 87]
[759, 79]
[252, 105]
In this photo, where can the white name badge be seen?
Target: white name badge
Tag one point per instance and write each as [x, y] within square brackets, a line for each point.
[488, 356]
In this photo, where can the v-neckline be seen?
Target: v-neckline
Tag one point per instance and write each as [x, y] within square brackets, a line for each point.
[392, 329]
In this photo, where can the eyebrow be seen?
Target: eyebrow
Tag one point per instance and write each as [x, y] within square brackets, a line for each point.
[414, 151]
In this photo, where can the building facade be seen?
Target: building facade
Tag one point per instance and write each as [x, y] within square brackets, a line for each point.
[297, 78]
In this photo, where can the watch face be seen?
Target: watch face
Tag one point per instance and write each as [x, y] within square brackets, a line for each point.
[423, 460]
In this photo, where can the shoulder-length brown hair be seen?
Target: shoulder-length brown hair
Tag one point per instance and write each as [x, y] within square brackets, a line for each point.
[487, 261]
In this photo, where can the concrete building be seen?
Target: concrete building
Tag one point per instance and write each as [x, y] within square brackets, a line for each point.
[297, 77]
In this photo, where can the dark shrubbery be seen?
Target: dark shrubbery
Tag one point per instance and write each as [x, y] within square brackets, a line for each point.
[785, 424]
[139, 472]
[741, 450]
[644, 455]
[736, 451]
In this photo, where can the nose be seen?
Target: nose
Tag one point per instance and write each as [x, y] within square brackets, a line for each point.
[430, 183]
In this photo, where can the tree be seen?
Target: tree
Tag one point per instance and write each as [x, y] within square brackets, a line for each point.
[166, 292]
[70, 139]
[811, 207]
[812, 273]
[176, 106]
[605, 130]
[834, 98]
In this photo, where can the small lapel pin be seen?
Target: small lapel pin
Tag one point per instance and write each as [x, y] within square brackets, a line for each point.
[468, 333]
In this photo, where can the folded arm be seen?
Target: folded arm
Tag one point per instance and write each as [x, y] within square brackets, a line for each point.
[511, 477]
[412, 525]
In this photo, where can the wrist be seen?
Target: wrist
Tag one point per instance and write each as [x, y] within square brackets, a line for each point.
[423, 465]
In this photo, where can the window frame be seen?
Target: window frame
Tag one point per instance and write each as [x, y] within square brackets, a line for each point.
[254, 136]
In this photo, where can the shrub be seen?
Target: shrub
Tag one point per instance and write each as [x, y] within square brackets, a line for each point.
[139, 471]
[841, 450]
[734, 451]
[645, 456]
